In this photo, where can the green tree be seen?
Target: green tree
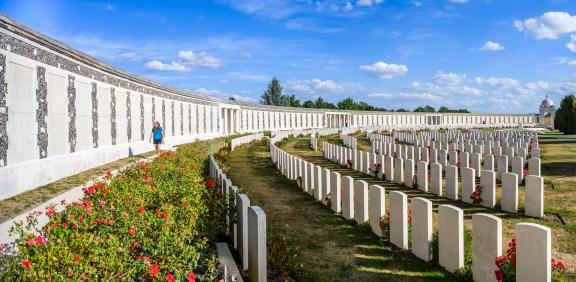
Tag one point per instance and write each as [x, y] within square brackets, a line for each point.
[309, 104]
[401, 110]
[273, 94]
[347, 104]
[231, 98]
[321, 104]
[292, 101]
[426, 109]
[565, 119]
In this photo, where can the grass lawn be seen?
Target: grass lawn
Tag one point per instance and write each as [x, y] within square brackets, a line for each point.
[558, 166]
[320, 245]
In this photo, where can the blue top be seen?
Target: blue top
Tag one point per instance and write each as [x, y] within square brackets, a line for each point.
[157, 133]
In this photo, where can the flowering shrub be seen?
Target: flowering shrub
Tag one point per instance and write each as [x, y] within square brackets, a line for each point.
[506, 265]
[375, 169]
[153, 221]
[349, 162]
[476, 196]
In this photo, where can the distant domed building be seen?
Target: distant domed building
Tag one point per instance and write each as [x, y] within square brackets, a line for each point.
[546, 114]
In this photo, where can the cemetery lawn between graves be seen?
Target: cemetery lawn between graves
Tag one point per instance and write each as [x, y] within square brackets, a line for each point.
[558, 153]
[320, 245]
[23, 202]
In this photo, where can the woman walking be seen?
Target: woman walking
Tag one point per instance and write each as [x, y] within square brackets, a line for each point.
[158, 135]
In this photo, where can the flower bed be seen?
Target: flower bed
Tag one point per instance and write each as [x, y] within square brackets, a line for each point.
[152, 221]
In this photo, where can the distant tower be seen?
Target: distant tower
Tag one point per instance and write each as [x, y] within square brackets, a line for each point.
[547, 113]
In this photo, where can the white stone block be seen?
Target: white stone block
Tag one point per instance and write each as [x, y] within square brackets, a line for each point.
[422, 228]
[399, 170]
[423, 176]
[533, 253]
[377, 203]
[436, 178]
[348, 197]
[488, 184]
[325, 185]
[468, 184]
[242, 204]
[534, 167]
[518, 167]
[534, 196]
[317, 183]
[486, 246]
[502, 166]
[399, 219]
[452, 182]
[488, 162]
[451, 237]
[335, 190]
[409, 173]
[360, 201]
[389, 167]
[509, 201]
[257, 265]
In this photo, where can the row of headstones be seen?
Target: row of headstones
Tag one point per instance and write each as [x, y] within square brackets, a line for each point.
[245, 140]
[497, 148]
[349, 141]
[248, 231]
[424, 140]
[356, 200]
[409, 172]
[475, 134]
[463, 159]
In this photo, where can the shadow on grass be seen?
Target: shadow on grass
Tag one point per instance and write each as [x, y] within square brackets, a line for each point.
[324, 246]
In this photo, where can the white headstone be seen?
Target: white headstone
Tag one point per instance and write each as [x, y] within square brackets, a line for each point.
[451, 237]
[360, 201]
[422, 228]
[399, 219]
[486, 246]
[257, 264]
[534, 196]
[377, 203]
[533, 253]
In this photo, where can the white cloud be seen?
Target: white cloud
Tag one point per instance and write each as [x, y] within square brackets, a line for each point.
[448, 78]
[492, 46]
[271, 9]
[199, 59]
[459, 1]
[310, 25]
[187, 60]
[159, 66]
[572, 44]
[128, 56]
[368, 2]
[222, 95]
[383, 70]
[497, 82]
[348, 7]
[314, 86]
[548, 26]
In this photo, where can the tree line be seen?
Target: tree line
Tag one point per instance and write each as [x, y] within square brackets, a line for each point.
[565, 118]
[273, 96]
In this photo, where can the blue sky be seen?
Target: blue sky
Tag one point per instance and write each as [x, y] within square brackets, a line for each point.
[484, 55]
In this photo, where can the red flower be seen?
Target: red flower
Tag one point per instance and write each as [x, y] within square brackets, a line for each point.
[499, 275]
[210, 183]
[154, 270]
[165, 215]
[50, 212]
[191, 277]
[81, 218]
[108, 174]
[63, 202]
[27, 264]
[77, 259]
[64, 225]
[106, 191]
[132, 231]
[184, 204]
[157, 211]
[141, 210]
[170, 277]
[218, 193]
[54, 225]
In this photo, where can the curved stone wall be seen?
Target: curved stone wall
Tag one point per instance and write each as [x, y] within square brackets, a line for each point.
[62, 112]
